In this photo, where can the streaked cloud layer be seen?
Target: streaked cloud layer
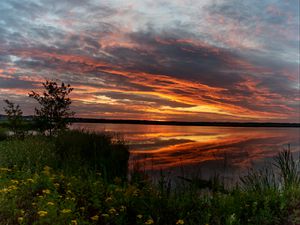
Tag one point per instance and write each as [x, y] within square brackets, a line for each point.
[164, 60]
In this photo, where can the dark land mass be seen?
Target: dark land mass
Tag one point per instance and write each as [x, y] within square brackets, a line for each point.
[172, 123]
[181, 123]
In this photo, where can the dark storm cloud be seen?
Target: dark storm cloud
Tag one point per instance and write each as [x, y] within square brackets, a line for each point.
[227, 58]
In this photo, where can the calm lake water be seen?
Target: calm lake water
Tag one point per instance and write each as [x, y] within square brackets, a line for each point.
[194, 151]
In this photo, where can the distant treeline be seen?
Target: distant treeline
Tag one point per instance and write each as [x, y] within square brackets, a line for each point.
[180, 123]
[172, 123]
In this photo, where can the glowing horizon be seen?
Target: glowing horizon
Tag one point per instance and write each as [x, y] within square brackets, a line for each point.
[183, 60]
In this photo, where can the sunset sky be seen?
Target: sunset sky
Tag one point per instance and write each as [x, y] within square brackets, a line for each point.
[186, 60]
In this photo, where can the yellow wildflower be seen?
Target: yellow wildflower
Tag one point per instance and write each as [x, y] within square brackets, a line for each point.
[149, 221]
[50, 203]
[109, 199]
[4, 190]
[112, 211]
[20, 219]
[65, 211]
[74, 222]
[5, 169]
[179, 222]
[14, 181]
[46, 191]
[12, 187]
[95, 218]
[46, 170]
[139, 216]
[42, 213]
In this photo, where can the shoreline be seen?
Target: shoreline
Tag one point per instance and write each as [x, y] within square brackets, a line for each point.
[181, 123]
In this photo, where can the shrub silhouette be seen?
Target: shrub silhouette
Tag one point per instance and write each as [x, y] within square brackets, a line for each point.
[54, 110]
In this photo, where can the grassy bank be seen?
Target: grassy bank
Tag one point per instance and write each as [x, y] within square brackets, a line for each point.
[80, 178]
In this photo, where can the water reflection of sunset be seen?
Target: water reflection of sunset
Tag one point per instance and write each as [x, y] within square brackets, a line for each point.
[173, 147]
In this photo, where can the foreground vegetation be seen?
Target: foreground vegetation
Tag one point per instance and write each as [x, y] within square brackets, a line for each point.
[81, 178]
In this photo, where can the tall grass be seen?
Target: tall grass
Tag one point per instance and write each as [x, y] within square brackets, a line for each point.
[289, 169]
[71, 151]
[100, 152]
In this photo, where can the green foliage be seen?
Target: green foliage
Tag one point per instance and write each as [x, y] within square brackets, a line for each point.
[14, 117]
[3, 134]
[41, 184]
[31, 153]
[71, 151]
[54, 110]
[51, 197]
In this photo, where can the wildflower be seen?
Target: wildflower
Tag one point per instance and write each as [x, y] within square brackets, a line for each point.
[22, 211]
[149, 221]
[135, 193]
[46, 170]
[95, 218]
[5, 169]
[109, 199]
[20, 219]
[65, 211]
[12, 187]
[122, 208]
[46, 191]
[74, 222]
[179, 222]
[4, 190]
[112, 211]
[42, 213]
[50, 203]
[14, 181]
[105, 215]
[139, 216]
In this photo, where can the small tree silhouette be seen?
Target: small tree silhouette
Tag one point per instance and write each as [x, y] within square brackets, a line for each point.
[54, 110]
[14, 117]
